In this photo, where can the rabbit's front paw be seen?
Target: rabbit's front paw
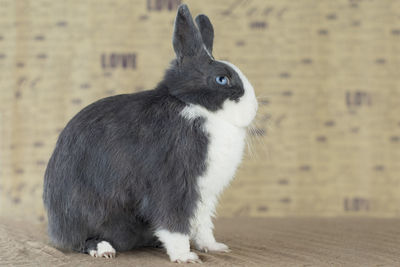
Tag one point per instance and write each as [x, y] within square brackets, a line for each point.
[189, 257]
[215, 246]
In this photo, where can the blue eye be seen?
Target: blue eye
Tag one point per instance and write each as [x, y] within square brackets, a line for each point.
[222, 80]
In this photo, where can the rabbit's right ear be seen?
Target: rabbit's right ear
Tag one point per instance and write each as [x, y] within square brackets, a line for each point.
[187, 40]
[206, 31]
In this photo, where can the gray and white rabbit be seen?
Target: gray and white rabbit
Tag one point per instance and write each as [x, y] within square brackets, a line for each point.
[146, 169]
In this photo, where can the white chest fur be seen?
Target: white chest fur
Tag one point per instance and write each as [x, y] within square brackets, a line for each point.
[225, 150]
[224, 153]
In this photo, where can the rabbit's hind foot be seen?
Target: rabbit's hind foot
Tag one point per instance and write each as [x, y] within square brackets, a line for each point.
[100, 249]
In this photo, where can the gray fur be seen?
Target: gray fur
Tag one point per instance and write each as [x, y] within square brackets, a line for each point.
[128, 164]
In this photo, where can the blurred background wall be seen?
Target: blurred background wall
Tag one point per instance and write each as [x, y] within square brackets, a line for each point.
[327, 137]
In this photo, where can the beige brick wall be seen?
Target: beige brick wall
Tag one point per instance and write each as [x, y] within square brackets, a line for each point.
[327, 73]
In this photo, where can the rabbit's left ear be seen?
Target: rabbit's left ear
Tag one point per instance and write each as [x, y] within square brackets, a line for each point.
[206, 31]
[187, 40]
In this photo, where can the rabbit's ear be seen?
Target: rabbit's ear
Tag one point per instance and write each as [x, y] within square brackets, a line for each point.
[187, 40]
[206, 31]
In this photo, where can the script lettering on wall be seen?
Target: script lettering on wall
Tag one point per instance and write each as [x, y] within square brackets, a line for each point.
[159, 5]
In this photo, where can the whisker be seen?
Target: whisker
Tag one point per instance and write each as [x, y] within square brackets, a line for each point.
[255, 139]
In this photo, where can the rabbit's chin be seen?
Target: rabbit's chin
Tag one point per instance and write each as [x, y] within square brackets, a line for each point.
[242, 112]
[239, 114]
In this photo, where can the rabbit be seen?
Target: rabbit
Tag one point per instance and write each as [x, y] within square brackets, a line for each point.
[146, 169]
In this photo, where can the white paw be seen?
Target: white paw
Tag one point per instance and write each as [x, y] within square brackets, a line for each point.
[104, 249]
[217, 247]
[189, 257]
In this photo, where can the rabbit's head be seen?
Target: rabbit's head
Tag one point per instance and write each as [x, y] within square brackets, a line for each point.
[196, 78]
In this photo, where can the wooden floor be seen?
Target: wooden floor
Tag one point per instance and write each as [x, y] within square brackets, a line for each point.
[254, 242]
